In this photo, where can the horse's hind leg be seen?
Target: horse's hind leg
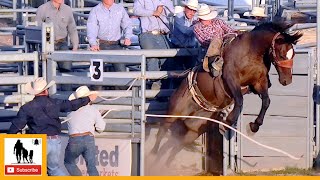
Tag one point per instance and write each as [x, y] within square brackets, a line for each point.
[171, 142]
[164, 126]
[186, 139]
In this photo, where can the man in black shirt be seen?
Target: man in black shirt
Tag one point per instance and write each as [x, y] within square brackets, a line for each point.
[42, 117]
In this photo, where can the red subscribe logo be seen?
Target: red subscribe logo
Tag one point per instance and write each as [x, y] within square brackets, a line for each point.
[23, 170]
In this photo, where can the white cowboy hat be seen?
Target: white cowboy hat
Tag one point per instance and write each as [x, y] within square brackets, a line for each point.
[82, 91]
[178, 9]
[38, 86]
[191, 4]
[205, 13]
[256, 11]
[225, 14]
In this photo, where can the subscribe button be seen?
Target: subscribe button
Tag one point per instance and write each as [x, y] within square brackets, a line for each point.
[23, 170]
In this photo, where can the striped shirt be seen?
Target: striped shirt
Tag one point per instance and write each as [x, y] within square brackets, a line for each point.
[62, 19]
[106, 24]
[85, 119]
[145, 9]
[217, 29]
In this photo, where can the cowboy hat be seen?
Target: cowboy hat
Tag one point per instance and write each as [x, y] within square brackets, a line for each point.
[205, 13]
[82, 91]
[178, 9]
[225, 14]
[38, 86]
[191, 4]
[256, 11]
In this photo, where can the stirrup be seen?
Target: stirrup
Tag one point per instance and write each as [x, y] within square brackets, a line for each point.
[216, 66]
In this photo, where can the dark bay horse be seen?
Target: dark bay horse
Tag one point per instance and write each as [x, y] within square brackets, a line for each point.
[247, 61]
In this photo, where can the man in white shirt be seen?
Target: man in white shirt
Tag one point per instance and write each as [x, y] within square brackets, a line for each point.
[81, 125]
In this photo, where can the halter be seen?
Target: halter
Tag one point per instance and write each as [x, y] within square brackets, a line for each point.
[285, 63]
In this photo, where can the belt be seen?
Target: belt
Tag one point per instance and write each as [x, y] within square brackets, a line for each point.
[53, 137]
[109, 42]
[157, 32]
[60, 40]
[81, 134]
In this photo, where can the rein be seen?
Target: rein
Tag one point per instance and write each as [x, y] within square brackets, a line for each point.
[285, 63]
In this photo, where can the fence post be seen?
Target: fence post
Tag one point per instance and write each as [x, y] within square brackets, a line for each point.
[318, 83]
[214, 150]
[135, 94]
[51, 69]
[143, 117]
[47, 38]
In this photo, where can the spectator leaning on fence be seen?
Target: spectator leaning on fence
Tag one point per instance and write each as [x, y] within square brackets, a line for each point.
[182, 35]
[210, 32]
[61, 16]
[104, 25]
[153, 15]
[81, 125]
[42, 117]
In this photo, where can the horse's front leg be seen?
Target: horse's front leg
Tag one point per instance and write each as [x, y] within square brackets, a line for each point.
[263, 93]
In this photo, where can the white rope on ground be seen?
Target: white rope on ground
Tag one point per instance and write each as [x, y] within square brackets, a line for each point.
[245, 136]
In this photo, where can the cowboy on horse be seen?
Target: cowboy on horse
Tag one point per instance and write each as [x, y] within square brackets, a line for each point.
[210, 32]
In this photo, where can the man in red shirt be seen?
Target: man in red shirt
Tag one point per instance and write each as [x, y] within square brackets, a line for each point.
[210, 32]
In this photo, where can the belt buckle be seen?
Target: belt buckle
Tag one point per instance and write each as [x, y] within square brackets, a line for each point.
[155, 32]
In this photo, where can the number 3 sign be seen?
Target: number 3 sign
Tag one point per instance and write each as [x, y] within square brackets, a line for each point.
[96, 69]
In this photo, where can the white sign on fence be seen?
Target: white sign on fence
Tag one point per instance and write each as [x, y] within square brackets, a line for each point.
[113, 157]
[96, 69]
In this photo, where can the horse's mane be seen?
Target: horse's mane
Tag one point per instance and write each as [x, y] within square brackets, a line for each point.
[281, 27]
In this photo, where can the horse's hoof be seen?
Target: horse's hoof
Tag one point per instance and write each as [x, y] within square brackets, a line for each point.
[254, 127]
[249, 132]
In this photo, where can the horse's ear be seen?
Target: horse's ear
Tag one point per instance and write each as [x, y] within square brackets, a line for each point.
[284, 25]
[295, 37]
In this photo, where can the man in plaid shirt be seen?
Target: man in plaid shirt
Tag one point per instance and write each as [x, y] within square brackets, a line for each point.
[210, 32]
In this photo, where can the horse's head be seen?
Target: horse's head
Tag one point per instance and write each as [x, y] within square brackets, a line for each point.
[282, 53]
[280, 50]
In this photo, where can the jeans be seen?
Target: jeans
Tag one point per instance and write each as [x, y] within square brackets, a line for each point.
[53, 157]
[150, 41]
[117, 67]
[81, 145]
[64, 66]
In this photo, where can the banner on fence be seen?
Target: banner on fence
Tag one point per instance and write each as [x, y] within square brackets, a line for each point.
[113, 157]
